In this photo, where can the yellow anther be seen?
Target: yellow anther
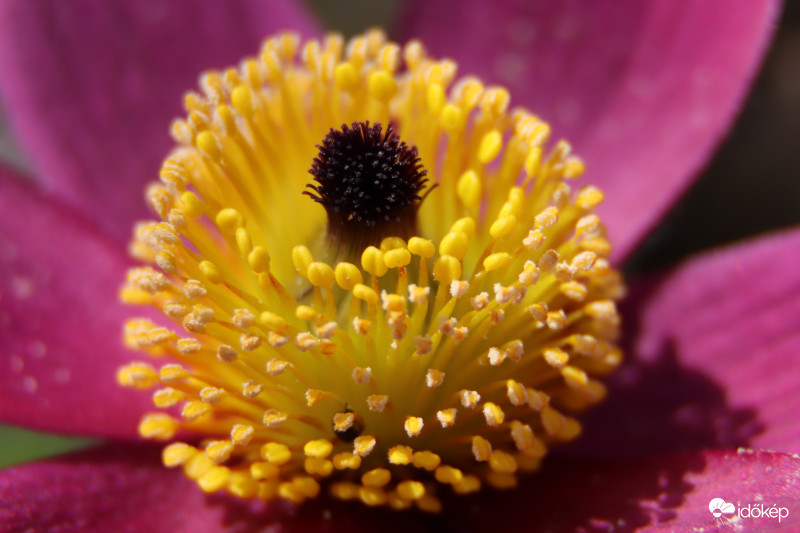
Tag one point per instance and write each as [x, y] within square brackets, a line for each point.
[272, 417]
[241, 434]
[399, 257]
[546, 218]
[434, 378]
[195, 409]
[302, 259]
[523, 436]
[589, 198]
[413, 425]
[382, 85]
[400, 455]
[219, 451]
[273, 321]
[348, 276]
[229, 220]
[197, 465]
[454, 244]
[320, 275]
[503, 226]
[532, 161]
[377, 477]
[469, 189]
[208, 143]
[555, 357]
[427, 460]
[364, 445]
[421, 247]
[465, 225]
[448, 474]
[574, 291]
[362, 376]
[411, 490]
[497, 261]
[553, 421]
[372, 261]
[481, 448]
[469, 398]
[242, 100]
[447, 417]
[451, 117]
[258, 259]
[372, 496]
[467, 485]
[318, 466]
[346, 76]
[574, 168]
[362, 292]
[503, 462]
[167, 397]
[490, 146]
[346, 461]
[446, 269]
[216, 478]
[493, 414]
[575, 378]
[242, 485]
[318, 448]
[264, 470]
[377, 402]
[138, 375]
[436, 98]
[343, 421]
[276, 453]
[393, 303]
[172, 373]
[176, 454]
[516, 392]
[210, 271]
[158, 426]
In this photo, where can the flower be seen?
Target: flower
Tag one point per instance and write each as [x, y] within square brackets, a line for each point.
[675, 322]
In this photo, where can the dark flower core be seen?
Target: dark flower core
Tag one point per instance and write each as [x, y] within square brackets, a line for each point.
[368, 182]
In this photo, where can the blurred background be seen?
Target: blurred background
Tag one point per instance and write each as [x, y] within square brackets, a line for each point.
[751, 185]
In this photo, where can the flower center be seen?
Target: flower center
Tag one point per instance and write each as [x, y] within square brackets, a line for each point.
[399, 348]
[368, 182]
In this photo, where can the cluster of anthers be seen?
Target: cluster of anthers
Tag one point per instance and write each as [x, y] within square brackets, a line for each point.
[369, 343]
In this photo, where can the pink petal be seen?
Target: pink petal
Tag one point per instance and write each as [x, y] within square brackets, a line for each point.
[108, 489]
[60, 320]
[124, 489]
[713, 359]
[669, 493]
[91, 87]
[643, 90]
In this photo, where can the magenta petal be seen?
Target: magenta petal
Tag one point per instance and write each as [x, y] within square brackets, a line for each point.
[60, 320]
[91, 87]
[125, 489]
[713, 359]
[106, 489]
[644, 90]
[669, 493]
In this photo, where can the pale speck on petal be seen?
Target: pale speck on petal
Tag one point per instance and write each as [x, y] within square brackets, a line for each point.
[17, 364]
[30, 384]
[62, 375]
[37, 349]
[22, 287]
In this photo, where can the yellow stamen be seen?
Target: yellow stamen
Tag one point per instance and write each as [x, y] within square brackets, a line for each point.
[446, 360]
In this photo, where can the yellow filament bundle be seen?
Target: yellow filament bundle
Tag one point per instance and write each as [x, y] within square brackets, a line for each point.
[452, 357]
